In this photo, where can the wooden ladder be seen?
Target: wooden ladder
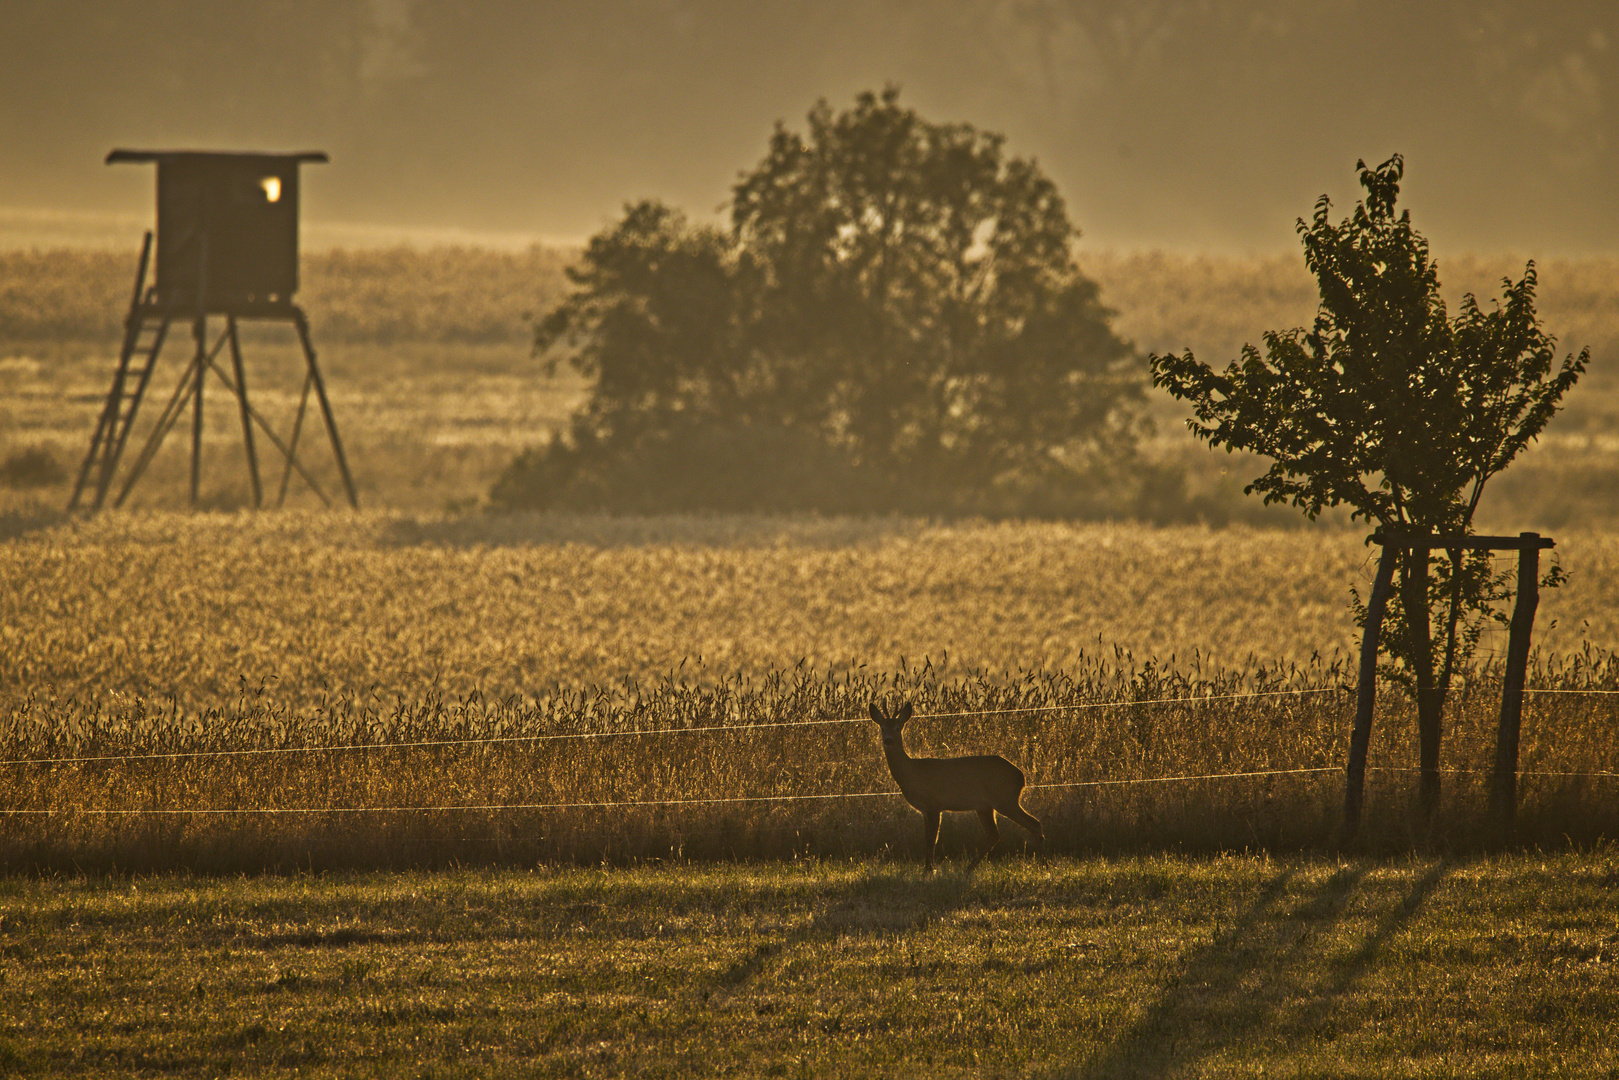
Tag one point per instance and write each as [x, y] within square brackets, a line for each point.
[145, 329]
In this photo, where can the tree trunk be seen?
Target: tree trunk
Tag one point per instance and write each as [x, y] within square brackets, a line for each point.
[1457, 558]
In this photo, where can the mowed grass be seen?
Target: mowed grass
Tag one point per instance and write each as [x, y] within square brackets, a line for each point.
[1154, 966]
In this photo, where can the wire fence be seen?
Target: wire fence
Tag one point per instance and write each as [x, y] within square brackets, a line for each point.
[729, 799]
[713, 728]
[493, 740]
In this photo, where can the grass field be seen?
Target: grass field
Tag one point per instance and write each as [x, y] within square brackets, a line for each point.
[1157, 966]
[390, 604]
[424, 427]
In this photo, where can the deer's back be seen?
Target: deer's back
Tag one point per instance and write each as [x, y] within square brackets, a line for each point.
[982, 781]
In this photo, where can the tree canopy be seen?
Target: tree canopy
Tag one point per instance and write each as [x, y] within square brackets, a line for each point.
[894, 319]
[1385, 405]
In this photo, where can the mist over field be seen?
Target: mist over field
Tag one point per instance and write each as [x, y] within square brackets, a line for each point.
[1186, 140]
[1165, 123]
[427, 354]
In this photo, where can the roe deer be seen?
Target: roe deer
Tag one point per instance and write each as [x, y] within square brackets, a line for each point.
[986, 783]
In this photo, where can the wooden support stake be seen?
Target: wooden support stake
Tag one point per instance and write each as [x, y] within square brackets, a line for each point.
[1366, 697]
[199, 331]
[1419, 645]
[1504, 786]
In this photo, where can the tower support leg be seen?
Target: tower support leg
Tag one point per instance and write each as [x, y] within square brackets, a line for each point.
[302, 322]
[246, 411]
[199, 362]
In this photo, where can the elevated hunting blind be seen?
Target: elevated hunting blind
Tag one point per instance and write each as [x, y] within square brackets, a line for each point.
[227, 244]
[234, 216]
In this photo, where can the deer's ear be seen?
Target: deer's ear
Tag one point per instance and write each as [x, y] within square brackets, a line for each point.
[904, 713]
[877, 713]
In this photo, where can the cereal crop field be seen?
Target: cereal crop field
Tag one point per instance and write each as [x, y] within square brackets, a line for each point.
[243, 692]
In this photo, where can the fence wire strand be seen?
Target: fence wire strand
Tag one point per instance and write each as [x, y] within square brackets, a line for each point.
[627, 804]
[493, 740]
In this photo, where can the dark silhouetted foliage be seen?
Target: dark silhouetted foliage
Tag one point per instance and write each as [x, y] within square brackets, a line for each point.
[894, 320]
[1385, 405]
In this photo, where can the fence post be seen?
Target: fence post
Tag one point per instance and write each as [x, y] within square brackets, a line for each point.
[1504, 786]
[1366, 693]
[1419, 643]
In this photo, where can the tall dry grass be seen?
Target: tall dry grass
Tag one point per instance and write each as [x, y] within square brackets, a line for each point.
[161, 605]
[780, 768]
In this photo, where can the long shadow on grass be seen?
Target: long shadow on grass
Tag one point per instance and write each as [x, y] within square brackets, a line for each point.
[893, 900]
[1270, 977]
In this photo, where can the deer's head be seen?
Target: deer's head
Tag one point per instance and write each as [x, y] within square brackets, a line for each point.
[891, 725]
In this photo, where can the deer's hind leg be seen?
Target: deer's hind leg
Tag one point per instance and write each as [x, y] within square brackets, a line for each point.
[992, 832]
[1029, 822]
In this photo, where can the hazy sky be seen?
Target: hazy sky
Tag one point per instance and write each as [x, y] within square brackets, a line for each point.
[1182, 124]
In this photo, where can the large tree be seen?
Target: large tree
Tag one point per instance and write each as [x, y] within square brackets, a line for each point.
[895, 298]
[1389, 406]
